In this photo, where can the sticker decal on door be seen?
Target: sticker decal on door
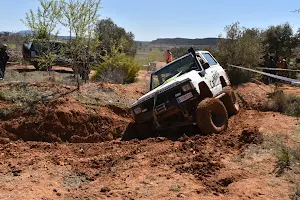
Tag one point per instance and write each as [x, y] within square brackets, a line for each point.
[215, 79]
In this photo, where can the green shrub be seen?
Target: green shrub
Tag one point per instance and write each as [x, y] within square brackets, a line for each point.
[118, 68]
[283, 103]
[288, 155]
[283, 160]
[237, 76]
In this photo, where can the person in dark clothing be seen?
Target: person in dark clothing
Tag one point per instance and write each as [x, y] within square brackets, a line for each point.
[272, 62]
[3, 60]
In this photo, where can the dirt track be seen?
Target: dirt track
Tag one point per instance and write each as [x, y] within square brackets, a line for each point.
[191, 166]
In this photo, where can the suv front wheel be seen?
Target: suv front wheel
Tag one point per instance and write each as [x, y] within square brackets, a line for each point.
[211, 116]
[138, 131]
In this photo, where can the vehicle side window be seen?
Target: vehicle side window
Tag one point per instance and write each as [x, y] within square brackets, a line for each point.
[211, 61]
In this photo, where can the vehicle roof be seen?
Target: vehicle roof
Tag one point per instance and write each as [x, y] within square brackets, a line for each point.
[197, 52]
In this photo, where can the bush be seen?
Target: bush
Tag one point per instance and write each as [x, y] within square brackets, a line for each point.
[241, 46]
[283, 103]
[118, 68]
[283, 160]
[237, 76]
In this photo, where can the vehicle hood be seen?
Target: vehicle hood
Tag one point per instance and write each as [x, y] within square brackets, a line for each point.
[164, 87]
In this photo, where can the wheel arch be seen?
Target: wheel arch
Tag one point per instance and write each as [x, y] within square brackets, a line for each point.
[223, 82]
[204, 91]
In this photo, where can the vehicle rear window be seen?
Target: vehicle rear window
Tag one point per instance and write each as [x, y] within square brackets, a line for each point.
[211, 61]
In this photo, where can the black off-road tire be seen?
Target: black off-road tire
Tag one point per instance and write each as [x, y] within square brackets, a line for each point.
[138, 131]
[211, 116]
[130, 133]
[144, 130]
[230, 101]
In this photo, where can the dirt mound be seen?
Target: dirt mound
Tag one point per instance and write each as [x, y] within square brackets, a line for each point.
[250, 136]
[253, 95]
[206, 153]
[201, 168]
[50, 123]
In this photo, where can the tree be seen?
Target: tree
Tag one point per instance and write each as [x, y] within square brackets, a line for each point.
[112, 36]
[280, 40]
[43, 23]
[80, 17]
[43, 26]
[179, 51]
[241, 46]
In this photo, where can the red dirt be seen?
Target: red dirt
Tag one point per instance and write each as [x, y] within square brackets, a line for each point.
[65, 121]
[193, 166]
[196, 167]
[253, 95]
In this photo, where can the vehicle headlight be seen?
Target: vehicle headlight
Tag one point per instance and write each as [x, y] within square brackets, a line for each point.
[137, 110]
[186, 87]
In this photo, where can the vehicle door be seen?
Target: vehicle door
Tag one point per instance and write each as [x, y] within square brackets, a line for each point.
[211, 73]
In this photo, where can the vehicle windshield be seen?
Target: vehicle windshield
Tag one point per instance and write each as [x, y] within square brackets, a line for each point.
[178, 67]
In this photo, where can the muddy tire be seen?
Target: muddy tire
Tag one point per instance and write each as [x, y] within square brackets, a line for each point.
[138, 131]
[230, 101]
[211, 116]
[144, 130]
[130, 133]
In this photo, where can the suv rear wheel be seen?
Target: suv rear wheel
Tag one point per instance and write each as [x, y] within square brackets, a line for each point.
[211, 116]
[230, 101]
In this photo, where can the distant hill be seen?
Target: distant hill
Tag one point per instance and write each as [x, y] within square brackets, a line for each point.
[24, 33]
[185, 41]
[30, 33]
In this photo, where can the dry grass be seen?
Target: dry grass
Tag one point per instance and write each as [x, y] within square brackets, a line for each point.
[284, 103]
[286, 151]
[12, 75]
[99, 97]
[21, 94]
[296, 193]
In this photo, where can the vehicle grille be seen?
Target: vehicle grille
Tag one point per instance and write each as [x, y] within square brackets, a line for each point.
[167, 98]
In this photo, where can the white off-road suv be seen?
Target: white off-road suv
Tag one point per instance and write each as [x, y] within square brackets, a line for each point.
[193, 89]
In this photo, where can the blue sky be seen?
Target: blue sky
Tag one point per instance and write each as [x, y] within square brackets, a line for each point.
[151, 19]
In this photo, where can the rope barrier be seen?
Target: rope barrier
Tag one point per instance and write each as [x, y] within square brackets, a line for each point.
[295, 81]
[279, 69]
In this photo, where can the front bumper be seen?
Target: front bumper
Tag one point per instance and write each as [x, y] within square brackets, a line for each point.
[168, 108]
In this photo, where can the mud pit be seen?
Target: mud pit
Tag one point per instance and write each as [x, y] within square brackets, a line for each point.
[190, 166]
[196, 167]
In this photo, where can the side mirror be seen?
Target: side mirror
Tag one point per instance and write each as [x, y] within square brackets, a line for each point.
[206, 65]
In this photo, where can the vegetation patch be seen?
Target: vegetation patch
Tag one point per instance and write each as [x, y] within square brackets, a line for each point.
[286, 151]
[284, 103]
[21, 94]
[118, 68]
